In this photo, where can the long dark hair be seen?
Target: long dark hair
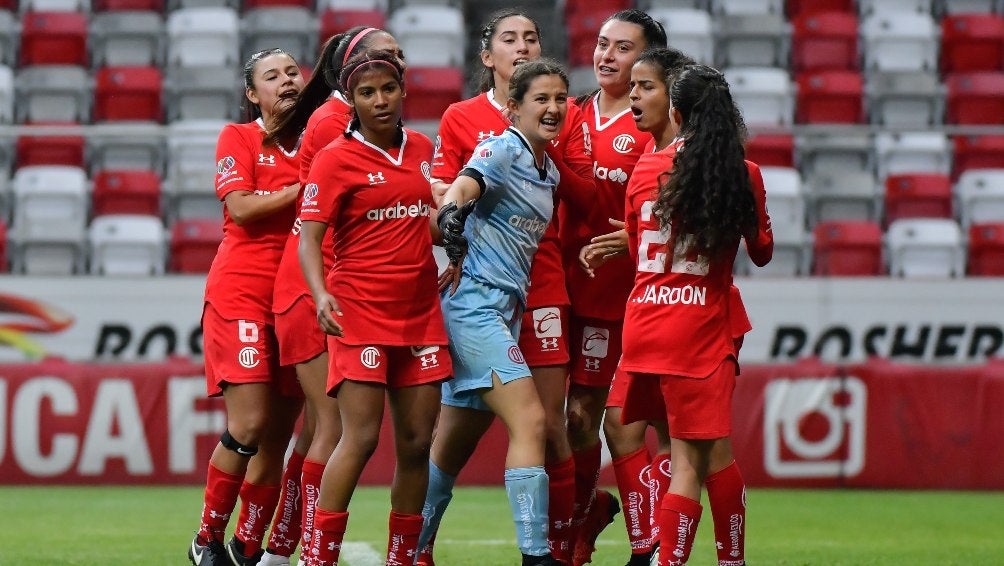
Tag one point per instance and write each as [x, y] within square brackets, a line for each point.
[361, 63]
[249, 110]
[707, 196]
[668, 61]
[324, 79]
[651, 30]
[488, 31]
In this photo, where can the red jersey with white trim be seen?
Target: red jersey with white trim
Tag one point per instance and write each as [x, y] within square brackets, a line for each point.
[616, 146]
[467, 123]
[325, 124]
[677, 319]
[377, 203]
[242, 276]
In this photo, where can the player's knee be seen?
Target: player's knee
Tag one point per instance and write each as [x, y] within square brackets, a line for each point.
[243, 447]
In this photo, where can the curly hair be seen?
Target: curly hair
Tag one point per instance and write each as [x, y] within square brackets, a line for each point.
[707, 197]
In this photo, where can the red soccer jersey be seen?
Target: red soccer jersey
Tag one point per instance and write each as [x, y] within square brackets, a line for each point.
[616, 146]
[378, 203]
[677, 319]
[325, 124]
[240, 281]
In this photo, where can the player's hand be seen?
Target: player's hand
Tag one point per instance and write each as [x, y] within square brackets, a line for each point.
[450, 277]
[603, 247]
[327, 310]
[451, 221]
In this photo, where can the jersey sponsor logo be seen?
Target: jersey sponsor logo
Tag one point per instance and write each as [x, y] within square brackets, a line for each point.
[426, 168]
[376, 178]
[532, 225]
[225, 167]
[617, 175]
[595, 341]
[484, 153]
[370, 357]
[549, 345]
[266, 160]
[482, 136]
[248, 357]
[310, 195]
[547, 322]
[516, 355]
[399, 210]
[427, 356]
[624, 143]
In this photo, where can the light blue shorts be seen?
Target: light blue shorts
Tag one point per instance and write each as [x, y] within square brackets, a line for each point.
[481, 322]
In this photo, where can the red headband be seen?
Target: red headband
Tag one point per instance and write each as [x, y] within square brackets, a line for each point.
[370, 63]
[355, 40]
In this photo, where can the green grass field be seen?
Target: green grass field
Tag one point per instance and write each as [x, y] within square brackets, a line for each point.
[153, 525]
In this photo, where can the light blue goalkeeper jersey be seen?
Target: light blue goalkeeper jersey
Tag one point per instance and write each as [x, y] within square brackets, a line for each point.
[512, 213]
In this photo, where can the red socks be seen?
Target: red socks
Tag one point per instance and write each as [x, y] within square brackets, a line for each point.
[402, 541]
[633, 483]
[285, 533]
[727, 499]
[587, 473]
[678, 519]
[660, 474]
[257, 505]
[219, 501]
[561, 502]
[310, 483]
[326, 539]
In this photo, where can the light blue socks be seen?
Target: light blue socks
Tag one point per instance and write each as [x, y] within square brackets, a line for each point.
[437, 498]
[527, 491]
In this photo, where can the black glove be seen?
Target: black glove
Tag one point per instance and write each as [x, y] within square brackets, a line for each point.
[451, 224]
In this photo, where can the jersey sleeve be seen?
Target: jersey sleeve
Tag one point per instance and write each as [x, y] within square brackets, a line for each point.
[322, 193]
[575, 165]
[493, 158]
[234, 163]
[447, 159]
[762, 248]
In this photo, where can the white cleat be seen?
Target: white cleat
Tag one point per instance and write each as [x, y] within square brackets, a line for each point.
[269, 559]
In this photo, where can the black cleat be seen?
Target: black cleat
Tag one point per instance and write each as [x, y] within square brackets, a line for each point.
[235, 552]
[210, 554]
[546, 560]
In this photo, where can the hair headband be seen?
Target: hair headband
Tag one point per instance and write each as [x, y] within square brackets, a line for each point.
[355, 40]
[370, 63]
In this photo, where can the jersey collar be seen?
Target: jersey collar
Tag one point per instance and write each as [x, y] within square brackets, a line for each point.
[288, 153]
[400, 155]
[541, 169]
[597, 119]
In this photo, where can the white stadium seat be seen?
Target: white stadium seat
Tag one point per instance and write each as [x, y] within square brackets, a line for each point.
[203, 36]
[126, 38]
[691, 30]
[905, 98]
[127, 244]
[925, 247]
[53, 93]
[900, 41]
[191, 172]
[430, 36]
[50, 213]
[765, 95]
[912, 152]
[980, 196]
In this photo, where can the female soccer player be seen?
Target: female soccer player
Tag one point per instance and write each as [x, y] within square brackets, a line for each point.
[257, 183]
[598, 304]
[684, 229]
[321, 112]
[379, 304]
[511, 38]
[507, 189]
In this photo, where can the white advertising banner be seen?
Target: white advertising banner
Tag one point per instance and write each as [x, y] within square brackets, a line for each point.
[948, 322]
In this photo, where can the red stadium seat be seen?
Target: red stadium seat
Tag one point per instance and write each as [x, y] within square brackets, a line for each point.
[824, 41]
[194, 242]
[977, 152]
[918, 195]
[50, 150]
[337, 21]
[573, 7]
[972, 42]
[771, 150]
[128, 93]
[799, 7]
[833, 97]
[846, 248]
[986, 250]
[252, 4]
[54, 38]
[583, 26]
[975, 98]
[431, 90]
[126, 192]
[132, 5]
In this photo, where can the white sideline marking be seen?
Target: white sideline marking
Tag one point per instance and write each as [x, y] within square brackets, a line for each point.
[360, 554]
[501, 542]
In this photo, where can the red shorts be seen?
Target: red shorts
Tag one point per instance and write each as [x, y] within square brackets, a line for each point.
[300, 336]
[393, 366]
[647, 407]
[595, 350]
[543, 336]
[242, 351]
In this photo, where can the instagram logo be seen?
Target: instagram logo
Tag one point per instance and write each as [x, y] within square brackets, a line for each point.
[814, 428]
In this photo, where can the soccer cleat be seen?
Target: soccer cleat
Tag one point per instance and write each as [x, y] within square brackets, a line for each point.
[209, 554]
[600, 514]
[425, 559]
[546, 560]
[235, 551]
[269, 559]
[643, 559]
[654, 560]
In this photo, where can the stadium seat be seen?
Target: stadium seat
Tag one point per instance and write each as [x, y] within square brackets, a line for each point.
[380, 5]
[771, 150]
[9, 30]
[976, 152]
[128, 94]
[755, 40]
[900, 41]
[847, 248]
[785, 197]
[50, 150]
[834, 152]
[799, 7]
[203, 37]
[925, 247]
[582, 28]
[126, 192]
[972, 42]
[194, 243]
[127, 38]
[191, 169]
[127, 5]
[335, 21]
[792, 255]
[126, 145]
[431, 90]
[255, 4]
[50, 213]
[975, 98]
[691, 30]
[747, 7]
[6, 94]
[870, 7]
[980, 196]
[53, 38]
[292, 28]
[202, 93]
[824, 41]
[764, 94]
[175, 5]
[967, 6]
[986, 250]
[920, 195]
[127, 244]
[831, 97]
[431, 36]
[850, 195]
[582, 79]
[83, 6]
[905, 98]
[53, 93]
[912, 152]
[610, 6]
[6, 199]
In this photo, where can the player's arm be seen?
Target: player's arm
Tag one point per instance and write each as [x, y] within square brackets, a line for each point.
[460, 199]
[312, 264]
[246, 207]
[577, 188]
[760, 245]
